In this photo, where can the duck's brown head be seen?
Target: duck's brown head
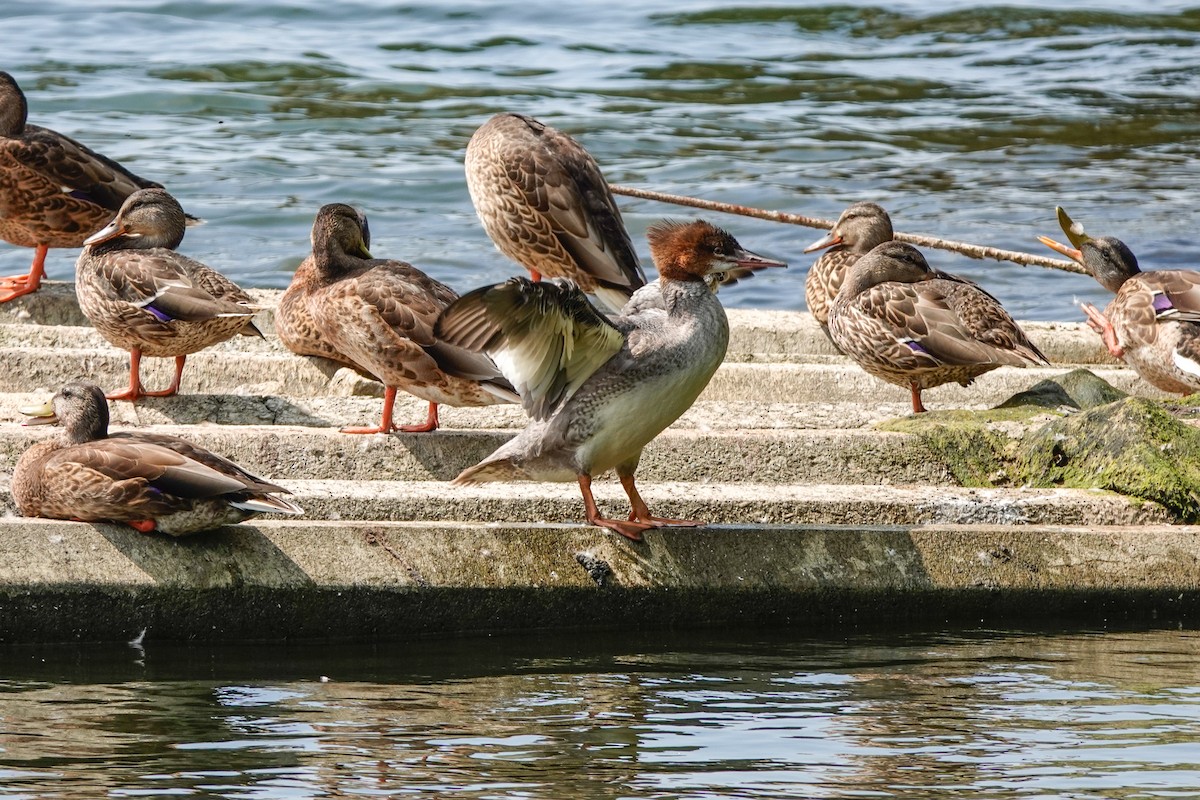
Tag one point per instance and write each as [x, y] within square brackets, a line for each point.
[888, 262]
[80, 407]
[148, 218]
[1108, 259]
[14, 109]
[861, 227]
[690, 251]
[340, 238]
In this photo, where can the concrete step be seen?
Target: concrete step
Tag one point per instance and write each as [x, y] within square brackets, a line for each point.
[299, 579]
[757, 335]
[717, 503]
[218, 371]
[754, 456]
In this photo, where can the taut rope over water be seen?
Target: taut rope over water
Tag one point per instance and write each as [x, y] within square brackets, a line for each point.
[964, 248]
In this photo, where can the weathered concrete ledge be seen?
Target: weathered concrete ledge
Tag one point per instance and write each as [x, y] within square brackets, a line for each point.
[820, 517]
[272, 580]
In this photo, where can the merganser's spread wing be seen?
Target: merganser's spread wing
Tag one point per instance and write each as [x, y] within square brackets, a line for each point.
[545, 337]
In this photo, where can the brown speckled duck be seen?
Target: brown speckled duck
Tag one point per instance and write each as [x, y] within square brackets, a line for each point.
[144, 297]
[599, 389]
[54, 192]
[858, 231]
[1153, 323]
[909, 325]
[376, 316]
[545, 204]
[153, 482]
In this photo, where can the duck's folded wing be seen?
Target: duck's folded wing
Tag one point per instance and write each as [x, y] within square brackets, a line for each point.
[163, 469]
[1176, 294]
[545, 337]
[79, 171]
[152, 280]
[926, 324]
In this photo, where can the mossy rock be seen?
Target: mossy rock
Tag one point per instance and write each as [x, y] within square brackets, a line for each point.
[1072, 431]
[1134, 447]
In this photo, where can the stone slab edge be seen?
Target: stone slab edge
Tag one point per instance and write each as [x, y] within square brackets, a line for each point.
[298, 580]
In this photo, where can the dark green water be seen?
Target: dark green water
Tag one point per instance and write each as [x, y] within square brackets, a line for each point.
[985, 714]
[968, 120]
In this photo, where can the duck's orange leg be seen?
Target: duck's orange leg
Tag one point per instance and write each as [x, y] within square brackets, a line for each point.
[143, 525]
[639, 512]
[1100, 324]
[430, 423]
[630, 530]
[174, 387]
[13, 286]
[534, 275]
[385, 423]
[918, 406]
[135, 380]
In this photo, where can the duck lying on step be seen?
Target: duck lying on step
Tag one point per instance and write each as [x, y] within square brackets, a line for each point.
[151, 481]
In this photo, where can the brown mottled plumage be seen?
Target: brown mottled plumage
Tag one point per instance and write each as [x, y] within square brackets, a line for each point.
[151, 481]
[908, 325]
[377, 317]
[545, 204]
[1153, 323]
[54, 192]
[859, 229]
[144, 297]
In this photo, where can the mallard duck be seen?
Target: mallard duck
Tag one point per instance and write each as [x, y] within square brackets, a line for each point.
[542, 200]
[153, 482]
[598, 390]
[377, 317]
[1153, 323]
[859, 229]
[144, 297]
[54, 192]
[909, 325]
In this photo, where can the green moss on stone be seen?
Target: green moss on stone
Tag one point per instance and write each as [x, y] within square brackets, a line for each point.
[1072, 431]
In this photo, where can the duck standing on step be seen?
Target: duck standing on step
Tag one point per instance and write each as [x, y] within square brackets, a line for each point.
[599, 389]
[153, 482]
[858, 231]
[915, 327]
[54, 192]
[376, 316]
[1153, 323]
[144, 297]
[545, 204]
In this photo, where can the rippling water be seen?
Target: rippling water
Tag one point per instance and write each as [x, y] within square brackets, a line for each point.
[981, 714]
[969, 122]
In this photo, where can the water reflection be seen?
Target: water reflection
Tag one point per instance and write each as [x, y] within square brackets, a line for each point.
[992, 714]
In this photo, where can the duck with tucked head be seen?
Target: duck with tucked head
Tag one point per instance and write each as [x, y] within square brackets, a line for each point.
[916, 327]
[54, 192]
[152, 482]
[545, 204]
[858, 231]
[144, 297]
[599, 389]
[1153, 323]
[376, 316]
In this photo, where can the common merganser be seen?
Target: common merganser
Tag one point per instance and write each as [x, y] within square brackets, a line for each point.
[376, 316]
[54, 191]
[912, 326]
[600, 389]
[1153, 323]
[144, 297]
[545, 204]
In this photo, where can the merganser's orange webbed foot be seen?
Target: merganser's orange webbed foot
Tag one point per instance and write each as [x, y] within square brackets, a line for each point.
[143, 525]
[629, 529]
[640, 512]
